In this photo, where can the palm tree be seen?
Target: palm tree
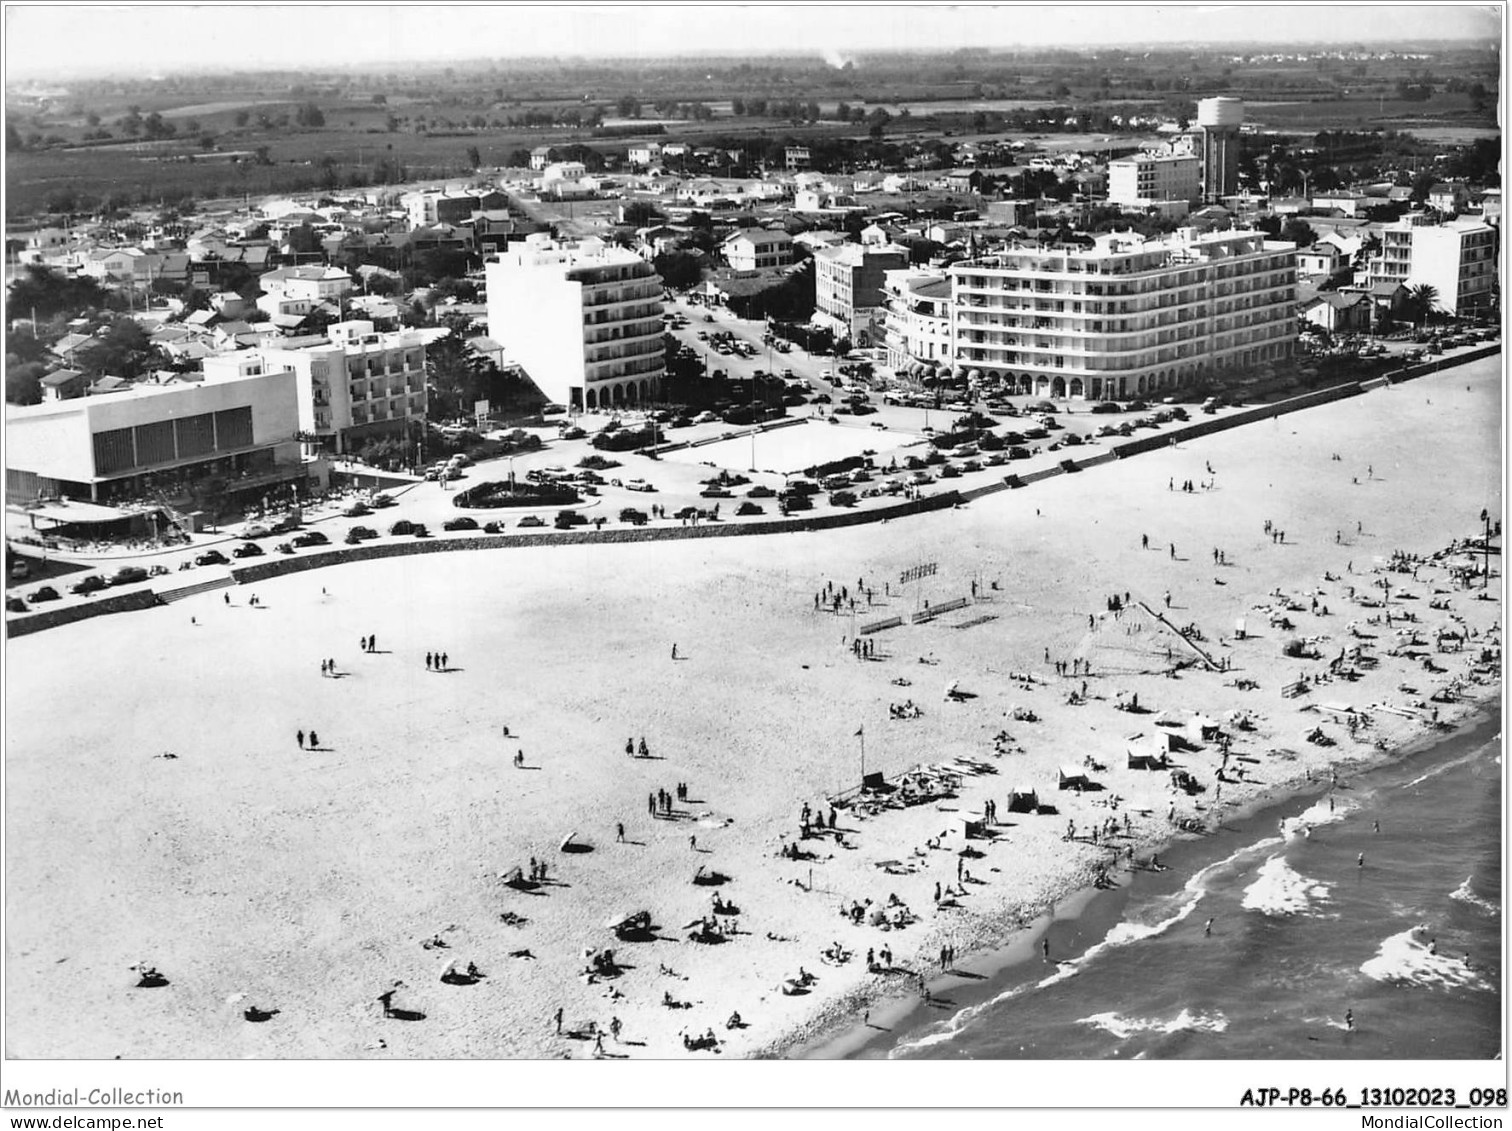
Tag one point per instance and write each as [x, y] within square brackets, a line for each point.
[1422, 300]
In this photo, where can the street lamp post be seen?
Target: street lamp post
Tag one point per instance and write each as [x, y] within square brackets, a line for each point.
[1486, 547]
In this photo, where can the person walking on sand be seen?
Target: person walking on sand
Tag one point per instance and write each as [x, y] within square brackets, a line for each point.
[444, 665]
[693, 843]
[314, 742]
[1360, 862]
[1349, 1020]
[558, 1019]
[427, 661]
[674, 651]
[299, 737]
[619, 832]
[1207, 929]
[1045, 948]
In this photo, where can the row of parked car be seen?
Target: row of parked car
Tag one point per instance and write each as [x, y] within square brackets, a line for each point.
[84, 586]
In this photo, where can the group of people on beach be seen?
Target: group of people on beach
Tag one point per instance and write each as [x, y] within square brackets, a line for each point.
[659, 804]
[437, 661]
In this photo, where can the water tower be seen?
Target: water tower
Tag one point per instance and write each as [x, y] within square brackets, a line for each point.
[1218, 120]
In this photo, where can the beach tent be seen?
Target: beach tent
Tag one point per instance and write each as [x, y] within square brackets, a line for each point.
[1203, 728]
[972, 828]
[873, 780]
[1168, 719]
[1022, 799]
[1148, 752]
[1072, 777]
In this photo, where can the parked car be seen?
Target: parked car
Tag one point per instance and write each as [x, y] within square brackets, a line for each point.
[748, 508]
[461, 522]
[310, 538]
[212, 557]
[760, 491]
[532, 520]
[20, 570]
[247, 550]
[288, 548]
[256, 531]
[128, 575]
[93, 583]
[640, 485]
[716, 493]
[383, 500]
[420, 530]
[45, 593]
[402, 527]
[15, 605]
[361, 534]
[633, 516]
[566, 520]
[1018, 453]
[358, 509]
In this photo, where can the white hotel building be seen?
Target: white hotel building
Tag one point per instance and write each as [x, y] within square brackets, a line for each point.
[1149, 178]
[582, 319]
[1127, 316]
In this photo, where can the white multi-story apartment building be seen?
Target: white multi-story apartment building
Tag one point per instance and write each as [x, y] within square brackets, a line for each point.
[357, 384]
[1457, 259]
[1138, 182]
[848, 286]
[583, 320]
[1127, 316]
[917, 318]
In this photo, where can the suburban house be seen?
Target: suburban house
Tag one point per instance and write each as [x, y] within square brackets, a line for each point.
[756, 248]
[1340, 312]
[646, 154]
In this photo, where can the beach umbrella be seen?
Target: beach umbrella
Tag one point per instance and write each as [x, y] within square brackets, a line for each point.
[613, 921]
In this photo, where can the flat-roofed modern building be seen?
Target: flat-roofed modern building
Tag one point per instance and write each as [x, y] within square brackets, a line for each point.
[1125, 316]
[149, 440]
[848, 287]
[582, 319]
[917, 319]
[355, 384]
[1457, 259]
[1142, 180]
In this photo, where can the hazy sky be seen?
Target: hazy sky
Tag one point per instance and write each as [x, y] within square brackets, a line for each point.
[51, 40]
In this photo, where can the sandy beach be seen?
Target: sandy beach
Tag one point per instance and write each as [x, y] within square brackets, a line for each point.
[253, 871]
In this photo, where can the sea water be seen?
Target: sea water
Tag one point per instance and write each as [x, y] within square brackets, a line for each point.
[1302, 933]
